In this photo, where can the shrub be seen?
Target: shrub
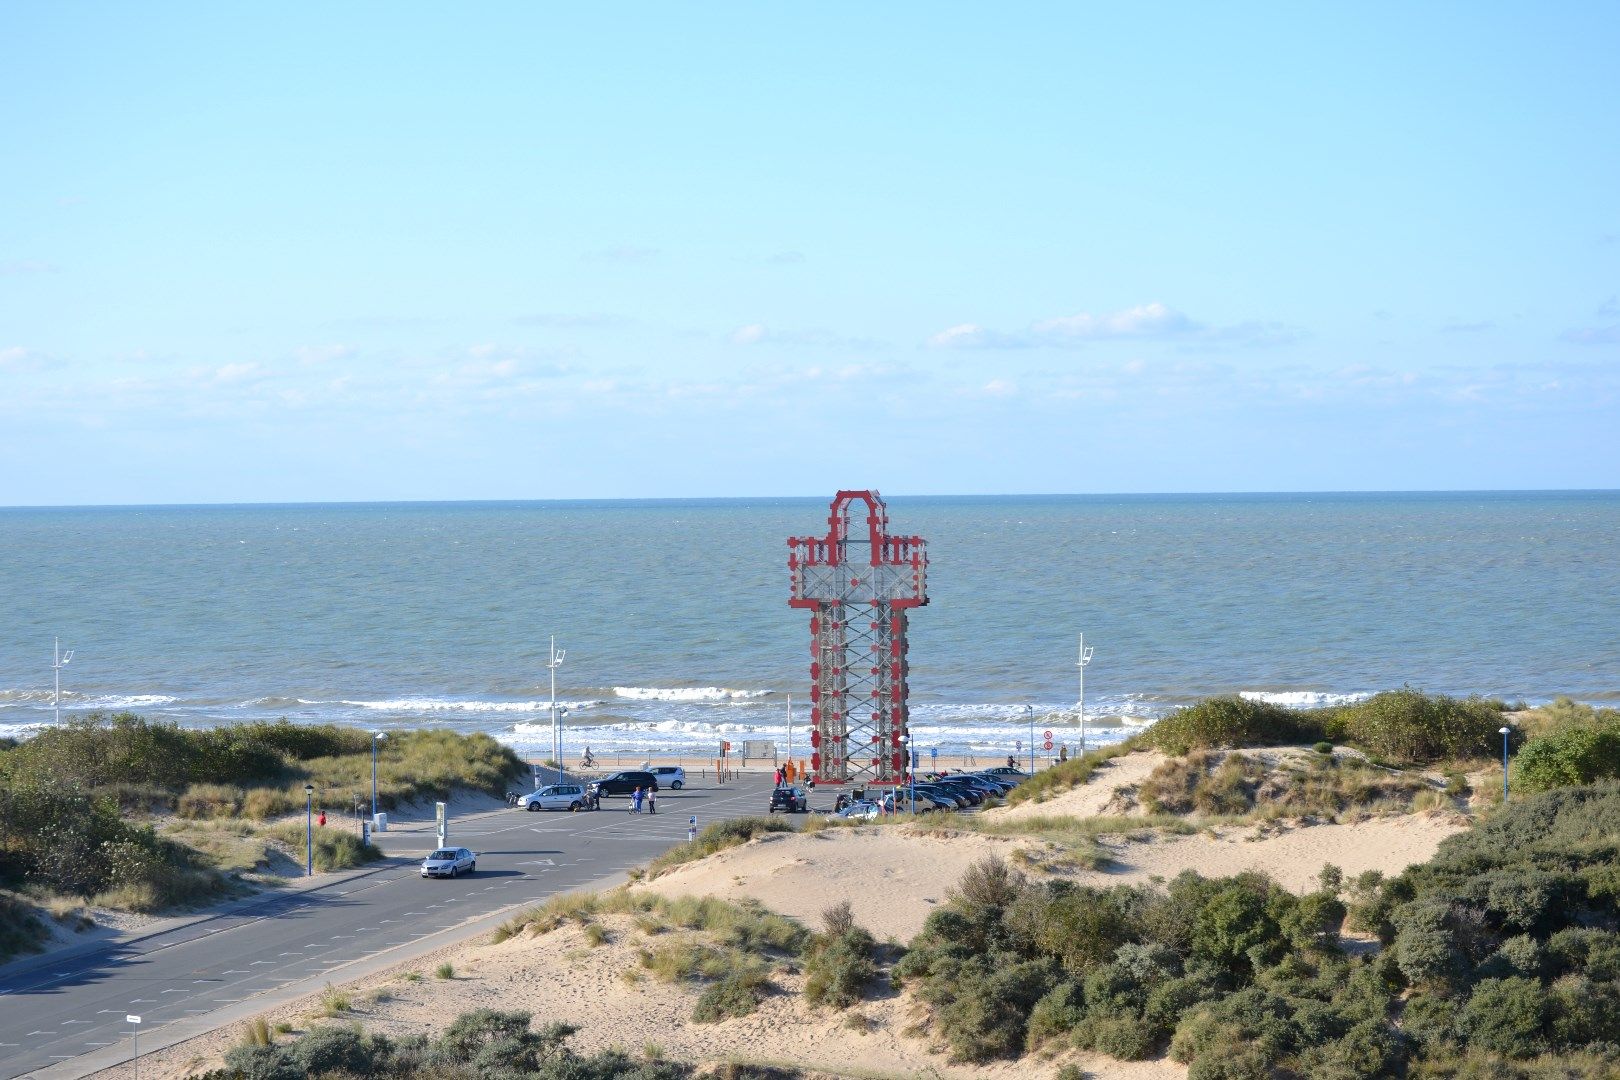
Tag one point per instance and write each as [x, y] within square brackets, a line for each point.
[1058, 1013]
[445, 970]
[736, 993]
[1232, 722]
[1415, 728]
[1505, 1015]
[1578, 753]
[838, 968]
[1323, 747]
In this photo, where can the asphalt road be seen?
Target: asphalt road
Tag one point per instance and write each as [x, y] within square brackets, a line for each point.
[63, 1016]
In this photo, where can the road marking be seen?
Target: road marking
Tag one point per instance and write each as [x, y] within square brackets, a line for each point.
[65, 1023]
[255, 963]
[31, 1034]
[175, 991]
[100, 1011]
[87, 1044]
[385, 921]
[235, 971]
[335, 937]
[147, 1001]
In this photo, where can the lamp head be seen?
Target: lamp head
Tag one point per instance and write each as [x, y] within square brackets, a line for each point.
[309, 789]
[1505, 730]
[379, 734]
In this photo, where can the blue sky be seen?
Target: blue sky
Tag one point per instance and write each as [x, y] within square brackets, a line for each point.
[394, 251]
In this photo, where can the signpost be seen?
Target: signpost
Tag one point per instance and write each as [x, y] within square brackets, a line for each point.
[136, 1063]
[441, 817]
[691, 829]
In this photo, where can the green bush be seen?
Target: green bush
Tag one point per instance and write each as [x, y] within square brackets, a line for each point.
[1578, 753]
[736, 993]
[1226, 723]
[1505, 1015]
[1411, 727]
[839, 962]
[487, 1044]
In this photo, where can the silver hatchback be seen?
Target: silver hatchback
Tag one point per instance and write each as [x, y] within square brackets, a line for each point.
[449, 862]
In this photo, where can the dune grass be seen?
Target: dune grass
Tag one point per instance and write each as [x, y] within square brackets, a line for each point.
[1070, 774]
[717, 837]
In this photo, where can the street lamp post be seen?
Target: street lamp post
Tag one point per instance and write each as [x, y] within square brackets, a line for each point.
[309, 830]
[1505, 732]
[1029, 711]
[60, 660]
[554, 659]
[1085, 658]
[376, 737]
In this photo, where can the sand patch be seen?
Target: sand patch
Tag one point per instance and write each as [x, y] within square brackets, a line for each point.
[1110, 790]
[893, 876]
[560, 976]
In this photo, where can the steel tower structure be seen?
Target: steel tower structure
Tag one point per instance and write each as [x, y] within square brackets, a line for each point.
[858, 610]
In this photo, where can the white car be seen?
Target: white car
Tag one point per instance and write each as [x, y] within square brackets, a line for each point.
[554, 797]
[449, 862]
[669, 776]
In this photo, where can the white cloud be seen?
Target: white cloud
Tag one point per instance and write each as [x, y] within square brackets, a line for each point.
[752, 334]
[1145, 322]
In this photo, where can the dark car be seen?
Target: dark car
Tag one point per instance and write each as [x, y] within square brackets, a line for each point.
[1015, 775]
[789, 800]
[927, 801]
[960, 785]
[1002, 784]
[623, 783]
[947, 798]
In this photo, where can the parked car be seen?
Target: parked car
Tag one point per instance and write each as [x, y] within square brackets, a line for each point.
[954, 800]
[927, 801]
[1000, 783]
[449, 862]
[790, 800]
[623, 783]
[958, 785]
[863, 811]
[1017, 776]
[670, 776]
[554, 797]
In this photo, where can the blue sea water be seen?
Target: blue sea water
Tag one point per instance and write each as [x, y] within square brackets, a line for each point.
[675, 619]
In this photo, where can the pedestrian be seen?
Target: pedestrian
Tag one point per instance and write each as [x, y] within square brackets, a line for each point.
[1063, 752]
[635, 801]
[322, 821]
[652, 800]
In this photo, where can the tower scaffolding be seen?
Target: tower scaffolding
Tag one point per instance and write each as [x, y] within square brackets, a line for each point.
[859, 616]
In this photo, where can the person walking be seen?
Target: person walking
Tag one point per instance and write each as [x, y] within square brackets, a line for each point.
[635, 801]
[652, 800]
[321, 821]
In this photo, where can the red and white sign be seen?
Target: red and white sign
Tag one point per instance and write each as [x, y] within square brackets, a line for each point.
[1047, 735]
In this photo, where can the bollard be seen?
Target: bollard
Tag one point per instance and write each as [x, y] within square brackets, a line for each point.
[691, 829]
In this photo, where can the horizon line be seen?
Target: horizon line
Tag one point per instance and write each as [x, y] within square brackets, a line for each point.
[688, 499]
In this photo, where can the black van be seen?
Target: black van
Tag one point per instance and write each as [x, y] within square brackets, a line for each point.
[623, 783]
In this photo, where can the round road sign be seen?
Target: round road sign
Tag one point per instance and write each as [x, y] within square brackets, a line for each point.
[1047, 745]
[1047, 735]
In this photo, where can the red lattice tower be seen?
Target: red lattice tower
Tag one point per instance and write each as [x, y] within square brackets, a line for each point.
[858, 646]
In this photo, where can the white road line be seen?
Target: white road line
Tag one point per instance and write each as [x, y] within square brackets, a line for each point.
[65, 1023]
[31, 1034]
[255, 963]
[235, 971]
[87, 1044]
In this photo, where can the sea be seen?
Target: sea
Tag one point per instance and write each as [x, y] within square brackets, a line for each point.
[676, 631]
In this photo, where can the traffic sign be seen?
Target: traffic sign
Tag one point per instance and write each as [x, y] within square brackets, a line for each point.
[1047, 735]
[1047, 745]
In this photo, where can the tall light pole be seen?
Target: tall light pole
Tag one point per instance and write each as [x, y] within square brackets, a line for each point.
[554, 659]
[790, 729]
[1505, 732]
[1029, 711]
[376, 737]
[59, 661]
[1085, 658]
[309, 832]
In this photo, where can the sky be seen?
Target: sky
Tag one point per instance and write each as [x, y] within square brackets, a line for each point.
[311, 252]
